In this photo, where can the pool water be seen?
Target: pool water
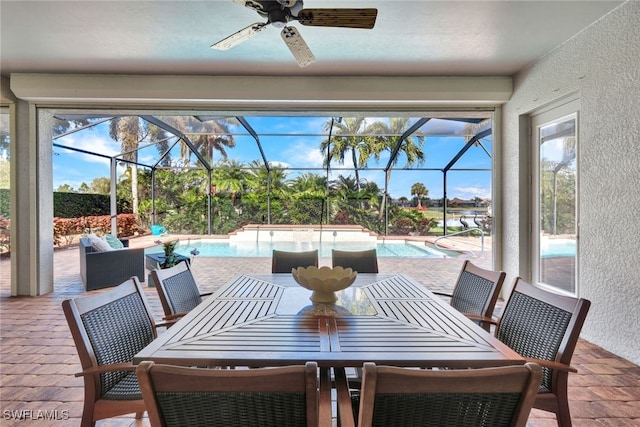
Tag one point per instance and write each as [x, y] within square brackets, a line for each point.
[213, 248]
[552, 248]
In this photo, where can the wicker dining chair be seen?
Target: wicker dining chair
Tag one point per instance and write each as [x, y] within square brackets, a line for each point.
[361, 261]
[476, 293]
[108, 329]
[177, 289]
[282, 396]
[407, 397]
[544, 328]
[284, 261]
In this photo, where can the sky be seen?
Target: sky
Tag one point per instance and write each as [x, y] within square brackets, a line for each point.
[294, 142]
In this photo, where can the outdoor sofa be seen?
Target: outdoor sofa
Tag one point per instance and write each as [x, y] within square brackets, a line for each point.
[105, 268]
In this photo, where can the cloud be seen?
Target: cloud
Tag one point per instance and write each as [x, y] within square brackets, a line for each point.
[279, 164]
[471, 192]
[303, 154]
[92, 143]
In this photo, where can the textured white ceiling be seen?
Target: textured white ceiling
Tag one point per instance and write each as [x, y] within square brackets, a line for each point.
[411, 38]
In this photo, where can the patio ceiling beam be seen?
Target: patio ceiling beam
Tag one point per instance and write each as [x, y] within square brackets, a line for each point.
[179, 134]
[255, 136]
[417, 125]
[464, 149]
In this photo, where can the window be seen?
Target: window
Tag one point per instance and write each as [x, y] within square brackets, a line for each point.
[555, 225]
[5, 186]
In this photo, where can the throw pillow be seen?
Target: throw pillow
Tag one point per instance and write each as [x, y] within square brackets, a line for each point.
[98, 244]
[113, 241]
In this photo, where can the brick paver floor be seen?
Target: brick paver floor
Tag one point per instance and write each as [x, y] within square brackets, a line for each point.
[38, 357]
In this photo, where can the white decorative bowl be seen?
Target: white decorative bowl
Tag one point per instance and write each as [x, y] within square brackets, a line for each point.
[324, 281]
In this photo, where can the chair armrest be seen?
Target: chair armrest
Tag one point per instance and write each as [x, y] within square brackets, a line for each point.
[174, 317]
[101, 369]
[343, 398]
[442, 294]
[551, 364]
[482, 319]
[166, 324]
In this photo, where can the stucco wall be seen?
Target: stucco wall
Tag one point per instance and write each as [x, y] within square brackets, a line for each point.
[601, 65]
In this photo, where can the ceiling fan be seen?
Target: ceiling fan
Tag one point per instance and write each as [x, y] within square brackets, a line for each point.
[280, 12]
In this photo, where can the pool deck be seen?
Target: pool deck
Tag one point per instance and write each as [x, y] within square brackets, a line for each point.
[38, 358]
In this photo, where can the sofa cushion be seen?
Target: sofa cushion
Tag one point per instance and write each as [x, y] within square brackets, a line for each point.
[113, 241]
[98, 244]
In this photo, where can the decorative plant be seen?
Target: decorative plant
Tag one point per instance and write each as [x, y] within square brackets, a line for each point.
[170, 258]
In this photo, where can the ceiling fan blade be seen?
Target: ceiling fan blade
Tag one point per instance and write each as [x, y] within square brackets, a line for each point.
[297, 46]
[240, 36]
[349, 18]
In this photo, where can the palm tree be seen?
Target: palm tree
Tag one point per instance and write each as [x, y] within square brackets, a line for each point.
[308, 197]
[309, 185]
[351, 135]
[230, 177]
[348, 189]
[261, 181]
[207, 136]
[411, 146]
[162, 146]
[266, 189]
[419, 190]
[129, 131]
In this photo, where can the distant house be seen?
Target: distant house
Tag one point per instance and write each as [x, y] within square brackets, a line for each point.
[462, 203]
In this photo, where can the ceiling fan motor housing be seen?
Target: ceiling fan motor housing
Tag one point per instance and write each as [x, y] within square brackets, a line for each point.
[278, 18]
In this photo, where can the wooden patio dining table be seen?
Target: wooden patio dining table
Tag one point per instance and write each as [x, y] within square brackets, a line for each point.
[268, 320]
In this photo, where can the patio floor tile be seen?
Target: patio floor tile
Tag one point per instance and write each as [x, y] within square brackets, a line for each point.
[38, 358]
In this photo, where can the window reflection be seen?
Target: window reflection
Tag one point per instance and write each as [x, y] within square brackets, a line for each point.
[557, 207]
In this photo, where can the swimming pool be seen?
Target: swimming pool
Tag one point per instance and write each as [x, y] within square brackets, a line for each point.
[217, 248]
[553, 248]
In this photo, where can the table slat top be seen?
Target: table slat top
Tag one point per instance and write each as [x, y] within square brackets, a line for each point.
[267, 320]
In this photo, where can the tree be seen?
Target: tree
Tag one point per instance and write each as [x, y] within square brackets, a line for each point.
[4, 172]
[266, 191]
[206, 136]
[309, 184]
[353, 136]
[261, 181]
[308, 196]
[65, 188]
[419, 190]
[100, 185]
[230, 177]
[84, 188]
[129, 131]
[411, 147]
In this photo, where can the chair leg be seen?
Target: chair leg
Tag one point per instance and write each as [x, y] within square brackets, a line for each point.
[87, 416]
[563, 416]
[139, 415]
[87, 422]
